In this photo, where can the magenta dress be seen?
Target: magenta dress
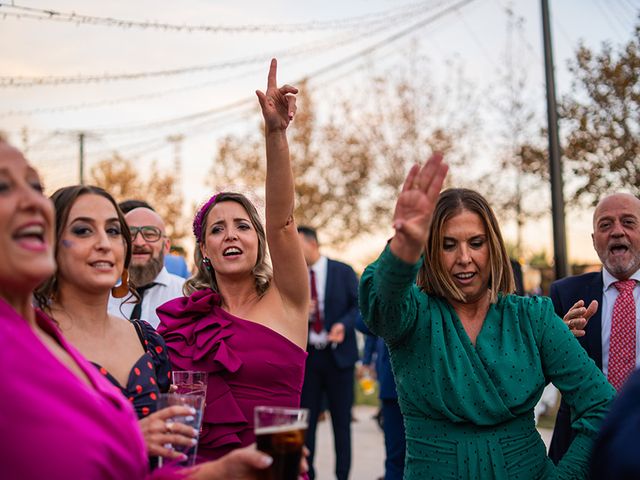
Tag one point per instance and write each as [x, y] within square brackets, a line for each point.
[248, 364]
[54, 426]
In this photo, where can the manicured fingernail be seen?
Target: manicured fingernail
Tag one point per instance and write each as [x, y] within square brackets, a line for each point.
[183, 457]
[192, 410]
[194, 441]
[195, 432]
[189, 418]
[267, 460]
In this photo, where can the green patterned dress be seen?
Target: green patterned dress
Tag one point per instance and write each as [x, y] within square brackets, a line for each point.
[468, 410]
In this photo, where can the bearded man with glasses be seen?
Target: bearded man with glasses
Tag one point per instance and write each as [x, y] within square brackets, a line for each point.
[154, 284]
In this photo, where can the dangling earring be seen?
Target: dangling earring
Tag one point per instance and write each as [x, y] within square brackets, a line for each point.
[123, 289]
[207, 264]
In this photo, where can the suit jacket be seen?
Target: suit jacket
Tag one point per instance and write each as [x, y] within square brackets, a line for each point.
[615, 453]
[564, 293]
[341, 306]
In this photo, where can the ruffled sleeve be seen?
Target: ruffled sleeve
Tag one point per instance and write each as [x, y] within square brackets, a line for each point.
[196, 332]
[160, 358]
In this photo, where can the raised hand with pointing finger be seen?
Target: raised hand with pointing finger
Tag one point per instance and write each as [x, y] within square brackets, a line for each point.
[278, 103]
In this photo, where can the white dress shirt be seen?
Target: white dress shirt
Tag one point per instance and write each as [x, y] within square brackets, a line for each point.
[168, 286]
[609, 295]
[320, 271]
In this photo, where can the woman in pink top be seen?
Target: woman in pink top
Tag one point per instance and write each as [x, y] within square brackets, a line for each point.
[59, 417]
[245, 322]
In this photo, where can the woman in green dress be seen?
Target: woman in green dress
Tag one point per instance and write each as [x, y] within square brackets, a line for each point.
[470, 359]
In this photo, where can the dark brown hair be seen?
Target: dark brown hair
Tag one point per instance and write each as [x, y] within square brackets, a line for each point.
[63, 199]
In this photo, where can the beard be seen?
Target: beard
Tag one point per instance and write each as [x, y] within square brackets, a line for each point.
[142, 275]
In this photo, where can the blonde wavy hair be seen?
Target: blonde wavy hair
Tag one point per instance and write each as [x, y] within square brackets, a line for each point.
[205, 277]
[433, 277]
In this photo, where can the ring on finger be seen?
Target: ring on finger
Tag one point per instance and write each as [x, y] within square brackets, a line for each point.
[571, 324]
[168, 427]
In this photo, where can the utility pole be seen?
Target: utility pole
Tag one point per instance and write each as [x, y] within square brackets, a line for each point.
[176, 140]
[555, 161]
[81, 141]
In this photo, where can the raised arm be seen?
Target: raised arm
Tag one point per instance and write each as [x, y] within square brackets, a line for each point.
[414, 208]
[289, 269]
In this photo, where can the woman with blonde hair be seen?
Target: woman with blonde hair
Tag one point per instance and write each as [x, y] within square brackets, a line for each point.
[244, 322]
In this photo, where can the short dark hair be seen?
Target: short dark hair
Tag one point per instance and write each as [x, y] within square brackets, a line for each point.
[128, 205]
[308, 232]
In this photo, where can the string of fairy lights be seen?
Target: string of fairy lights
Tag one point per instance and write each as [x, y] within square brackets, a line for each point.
[13, 10]
[152, 136]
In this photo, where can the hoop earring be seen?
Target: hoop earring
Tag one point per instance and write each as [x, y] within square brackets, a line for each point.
[123, 289]
[207, 265]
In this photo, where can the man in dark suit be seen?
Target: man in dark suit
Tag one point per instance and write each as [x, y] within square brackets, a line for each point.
[586, 302]
[615, 453]
[332, 348]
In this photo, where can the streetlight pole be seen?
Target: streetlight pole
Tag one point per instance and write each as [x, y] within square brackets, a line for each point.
[555, 161]
[81, 168]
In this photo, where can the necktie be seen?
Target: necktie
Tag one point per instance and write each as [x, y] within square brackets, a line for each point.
[622, 344]
[317, 321]
[137, 309]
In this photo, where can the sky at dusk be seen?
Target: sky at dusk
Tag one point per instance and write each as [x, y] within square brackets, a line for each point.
[132, 74]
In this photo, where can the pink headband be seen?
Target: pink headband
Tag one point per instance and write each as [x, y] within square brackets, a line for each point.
[198, 221]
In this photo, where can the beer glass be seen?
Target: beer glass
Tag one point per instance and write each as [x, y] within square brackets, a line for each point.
[280, 433]
[190, 382]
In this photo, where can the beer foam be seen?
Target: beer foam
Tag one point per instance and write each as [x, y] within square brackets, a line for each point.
[281, 428]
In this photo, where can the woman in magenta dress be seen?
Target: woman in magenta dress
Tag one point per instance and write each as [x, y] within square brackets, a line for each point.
[244, 321]
[60, 418]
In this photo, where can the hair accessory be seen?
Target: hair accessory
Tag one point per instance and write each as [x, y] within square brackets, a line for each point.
[198, 221]
[123, 289]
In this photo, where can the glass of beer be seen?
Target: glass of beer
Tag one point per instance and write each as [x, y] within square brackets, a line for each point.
[280, 433]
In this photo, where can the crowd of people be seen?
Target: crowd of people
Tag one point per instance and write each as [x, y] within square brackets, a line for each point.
[92, 323]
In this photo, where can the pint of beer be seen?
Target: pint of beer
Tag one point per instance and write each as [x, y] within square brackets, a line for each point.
[280, 433]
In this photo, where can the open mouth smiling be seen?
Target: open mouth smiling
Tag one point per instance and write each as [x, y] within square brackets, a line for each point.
[231, 252]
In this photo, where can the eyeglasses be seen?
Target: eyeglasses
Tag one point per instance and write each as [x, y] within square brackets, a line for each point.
[149, 233]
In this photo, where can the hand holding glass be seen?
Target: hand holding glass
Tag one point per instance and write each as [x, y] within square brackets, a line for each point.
[196, 403]
[280, 433]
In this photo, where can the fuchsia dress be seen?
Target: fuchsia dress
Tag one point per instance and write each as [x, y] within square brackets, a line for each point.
[248, 364]
[53, 425]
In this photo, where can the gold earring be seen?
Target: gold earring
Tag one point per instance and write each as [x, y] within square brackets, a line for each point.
[123, 289]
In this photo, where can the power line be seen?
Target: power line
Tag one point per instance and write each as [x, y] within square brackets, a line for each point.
[77, 18]
[319, 72]
[27, 81]
[608, 16]
[131, 98]
[479, 43]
